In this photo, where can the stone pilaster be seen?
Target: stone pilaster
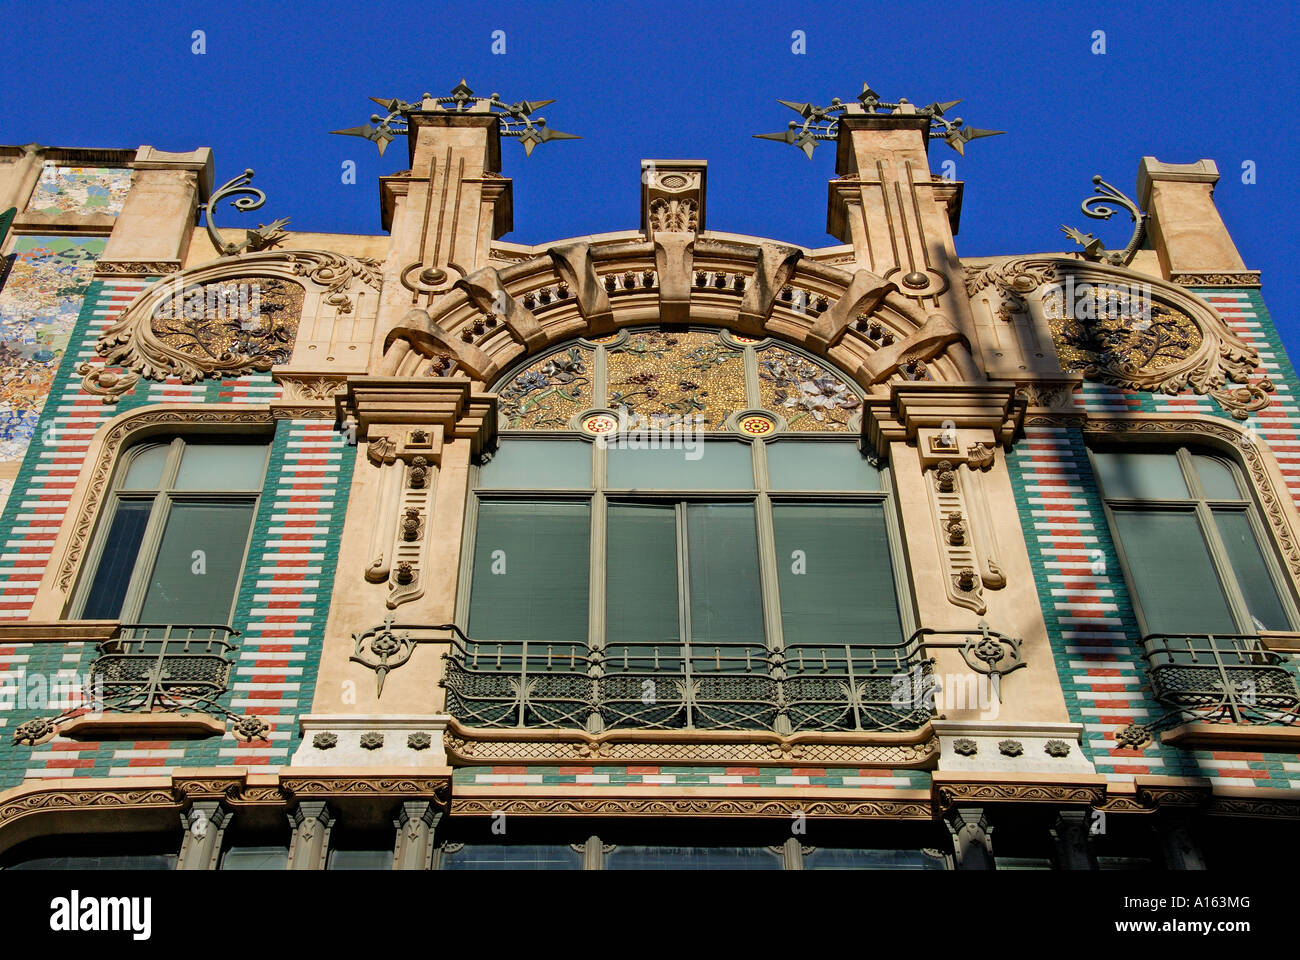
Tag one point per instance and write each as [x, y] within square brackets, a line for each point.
[161, 209]
[972, 838]
[1073, 842]
[1185, 227]
[204, 823]
[417, 826]
[310, 821]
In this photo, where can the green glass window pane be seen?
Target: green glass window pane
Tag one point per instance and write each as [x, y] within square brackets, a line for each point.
[691, 858]
[531, 561]
[703, 464]
[1217, 478]
[222, 466]
[1170, 570]
[512, 856]
[375, 859]
[272, 857]
[813, 465]
[538, 464]
[835, 575]
[199, 563]
[113, 573]
[1253, 578]
[145, 471]
[1144, 476]
[641, 605]
[726, 602]
[850, 858]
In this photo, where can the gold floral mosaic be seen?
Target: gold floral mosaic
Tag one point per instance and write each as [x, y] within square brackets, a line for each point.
[1118, 330]
[546, 394]
[236, 325]
[683, 376]
[803, 392]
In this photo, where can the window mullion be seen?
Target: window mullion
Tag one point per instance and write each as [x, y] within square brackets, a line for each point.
[683, 585]
[1223, 567]
[142, 572]
[768, 561]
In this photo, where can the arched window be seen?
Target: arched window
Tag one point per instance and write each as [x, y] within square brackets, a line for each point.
[1194, 548]
[174, 533]
[702, 532]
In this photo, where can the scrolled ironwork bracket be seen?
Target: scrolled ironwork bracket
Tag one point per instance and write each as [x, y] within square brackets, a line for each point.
[989, 653]
[386, 647]
[1096, 207]
[247, 197]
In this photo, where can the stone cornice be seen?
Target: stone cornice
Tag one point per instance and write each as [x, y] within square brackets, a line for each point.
[386, 406]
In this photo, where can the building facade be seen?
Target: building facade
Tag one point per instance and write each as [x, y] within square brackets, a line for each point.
[659, 548]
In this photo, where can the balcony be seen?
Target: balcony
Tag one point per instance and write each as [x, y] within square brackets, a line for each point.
[844, 688]
[154, 667]
[1221, 679]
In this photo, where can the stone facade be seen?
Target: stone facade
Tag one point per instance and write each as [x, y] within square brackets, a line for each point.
[384, 375]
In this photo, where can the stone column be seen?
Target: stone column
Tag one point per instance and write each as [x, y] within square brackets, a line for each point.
[161, 208]
[1073, 844]
[205, 823]
[1185, 226]
[417, 827]
[1180, 850]
[972, 838]
[310, 821]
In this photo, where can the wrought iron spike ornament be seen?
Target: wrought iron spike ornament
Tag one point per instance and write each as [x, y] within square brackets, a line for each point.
[1097, 208]
[247, 197]
[518, 120]
[822, 123]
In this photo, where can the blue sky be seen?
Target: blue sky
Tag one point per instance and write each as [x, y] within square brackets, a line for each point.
[1178, 82]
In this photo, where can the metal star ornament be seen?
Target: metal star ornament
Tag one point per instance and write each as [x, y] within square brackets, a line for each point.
[517, 120]
[822, 123]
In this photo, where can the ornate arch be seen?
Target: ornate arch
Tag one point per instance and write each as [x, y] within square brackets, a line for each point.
[1125, 329]
[859, 322]
[200, 323]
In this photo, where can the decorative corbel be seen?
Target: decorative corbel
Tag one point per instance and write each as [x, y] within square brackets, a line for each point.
[865, 292]
[772, 271]
[925, 344]
[674, 264]
[485, 289]
[573, 264]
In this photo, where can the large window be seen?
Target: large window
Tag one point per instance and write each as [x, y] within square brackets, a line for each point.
[174, 533]
[711, 549]
[1192, 543]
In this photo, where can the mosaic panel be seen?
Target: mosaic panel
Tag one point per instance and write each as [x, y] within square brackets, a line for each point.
[38, 307]
[80, 190]
[238, 325]
[678, 375]
[1115, 329]
[804, 392]
[547, 394]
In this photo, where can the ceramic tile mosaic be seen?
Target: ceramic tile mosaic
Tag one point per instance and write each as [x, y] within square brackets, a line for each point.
[42, 295]
[80, 190]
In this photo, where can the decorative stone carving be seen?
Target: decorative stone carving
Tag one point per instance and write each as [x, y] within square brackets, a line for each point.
[419, 741]
[136, 268]
[965, 746]
[37, 730]
[690, 807]
[1056, 748]
[1010, 748]
[371, 740]
[239, 315]
[964, 529]
[382, 649]
[471, 746]
[1244, 278]
[325, 741]
[111, 385]
[311, 389]
[250, 727]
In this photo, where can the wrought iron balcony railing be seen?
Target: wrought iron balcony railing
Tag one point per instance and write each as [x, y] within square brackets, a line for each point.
[889, 687]
[155, 666]
[1221, 678]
